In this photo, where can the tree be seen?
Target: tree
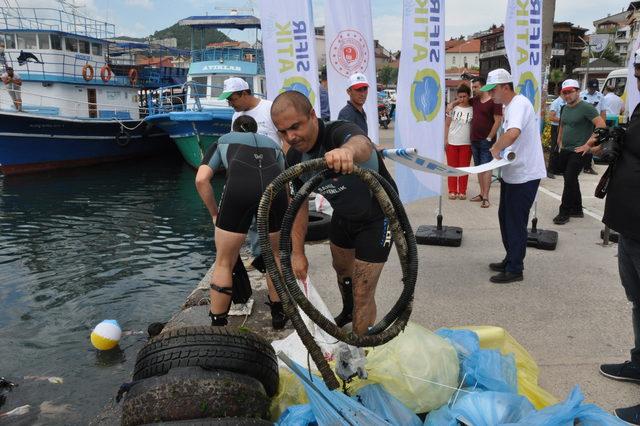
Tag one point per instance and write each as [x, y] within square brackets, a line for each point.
[609, 53]
[556, 76]
[388, 75]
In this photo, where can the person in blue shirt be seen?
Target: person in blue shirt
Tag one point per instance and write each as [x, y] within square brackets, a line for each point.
[252, 161]
[595, 98]
[354, 110]
[554, 117]
[325, 111]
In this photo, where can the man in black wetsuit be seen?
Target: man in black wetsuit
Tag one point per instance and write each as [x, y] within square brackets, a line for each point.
[360, 236]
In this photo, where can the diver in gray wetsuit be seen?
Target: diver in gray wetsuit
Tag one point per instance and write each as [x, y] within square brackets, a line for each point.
[252, 161]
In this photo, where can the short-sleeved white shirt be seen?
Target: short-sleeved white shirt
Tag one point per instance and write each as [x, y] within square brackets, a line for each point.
[529, 162]
[612, 104]
[460, 127]
[262, 114]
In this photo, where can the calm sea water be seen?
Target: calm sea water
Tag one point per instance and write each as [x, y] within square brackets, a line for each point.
[125, 241]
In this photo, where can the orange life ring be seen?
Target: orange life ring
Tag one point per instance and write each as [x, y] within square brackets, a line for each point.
[105, 73]
[87, 72]
[133, 76]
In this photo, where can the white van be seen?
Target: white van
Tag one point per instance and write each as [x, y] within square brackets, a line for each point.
[617, 79]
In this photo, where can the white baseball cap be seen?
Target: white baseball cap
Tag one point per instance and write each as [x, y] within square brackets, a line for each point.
[570, 84]
[358, 80]
[495, 77]
[232, 85]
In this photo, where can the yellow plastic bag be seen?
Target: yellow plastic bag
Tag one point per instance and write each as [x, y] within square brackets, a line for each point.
[498, 338]
[418, 367]
[290, 392]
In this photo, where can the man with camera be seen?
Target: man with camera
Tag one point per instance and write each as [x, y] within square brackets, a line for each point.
[622, 213]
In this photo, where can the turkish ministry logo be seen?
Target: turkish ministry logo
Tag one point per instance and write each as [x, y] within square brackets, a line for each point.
[529, 88]
[426, 96]
[349, 53]
[299, 84]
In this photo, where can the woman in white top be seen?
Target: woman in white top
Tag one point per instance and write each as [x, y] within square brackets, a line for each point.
[458, 141]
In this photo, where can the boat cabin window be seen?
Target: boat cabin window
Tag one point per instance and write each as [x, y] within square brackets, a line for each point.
[217, 82]
[84, 46]
[96, 49]
[71, 44]
[199, 87]
[27, 41]
[43, 41]
[9, 41]
[56, 42]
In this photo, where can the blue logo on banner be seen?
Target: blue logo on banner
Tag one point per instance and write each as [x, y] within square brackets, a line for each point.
[528, 87]
[426, 96]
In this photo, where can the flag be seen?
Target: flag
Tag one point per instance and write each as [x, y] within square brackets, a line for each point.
[349, 47]
[289, 48]
[420, 97]
[523, 43]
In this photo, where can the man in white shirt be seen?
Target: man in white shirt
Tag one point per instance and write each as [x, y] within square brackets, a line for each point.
[612, 103]
[238, 95]
[520, 179]
[13, 82]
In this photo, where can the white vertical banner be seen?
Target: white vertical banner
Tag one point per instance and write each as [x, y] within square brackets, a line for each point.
[289, 48]
[420, 98]
[633, 97]
[523, 43]
[349, 44]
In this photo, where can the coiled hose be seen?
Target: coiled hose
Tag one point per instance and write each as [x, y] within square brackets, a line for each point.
[287, 287]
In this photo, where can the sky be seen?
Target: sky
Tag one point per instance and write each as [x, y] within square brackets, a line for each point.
[139, 18]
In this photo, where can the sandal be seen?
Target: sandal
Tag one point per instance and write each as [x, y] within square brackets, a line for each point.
[462, 196]
[476, 199]
[452, 196]
[485, 203]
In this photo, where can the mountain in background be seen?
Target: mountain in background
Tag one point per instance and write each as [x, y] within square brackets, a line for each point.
[183, 34]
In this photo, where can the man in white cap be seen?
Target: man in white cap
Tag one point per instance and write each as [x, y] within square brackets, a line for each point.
[238, 95]
[577, 123]
[622, 213]
[520, 179]
[354, 110]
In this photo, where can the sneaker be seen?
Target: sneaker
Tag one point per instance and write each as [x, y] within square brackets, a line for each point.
[498, 266]
[561, 219]
[590, 171]
[550, 175]
[630, 415]
[628, 371]
[506, 277]
[278, 317]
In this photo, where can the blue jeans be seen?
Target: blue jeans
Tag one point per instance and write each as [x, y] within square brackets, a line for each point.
[480, 150]
[515, 203]
[254, 241]
[629, 267]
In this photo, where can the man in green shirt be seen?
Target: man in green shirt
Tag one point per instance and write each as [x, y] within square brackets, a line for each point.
[577, 121]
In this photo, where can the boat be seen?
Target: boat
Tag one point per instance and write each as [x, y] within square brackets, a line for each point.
[192, 114]
[80, 105]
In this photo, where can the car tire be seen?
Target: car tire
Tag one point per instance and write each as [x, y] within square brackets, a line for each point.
[318, 227]
[212, 348]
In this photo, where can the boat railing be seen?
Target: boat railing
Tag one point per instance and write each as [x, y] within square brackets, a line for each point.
[65, 67]
[30, 18]
[69, 108]
[165, 99]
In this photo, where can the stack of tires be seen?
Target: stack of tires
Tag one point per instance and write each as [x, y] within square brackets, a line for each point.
[202, 376]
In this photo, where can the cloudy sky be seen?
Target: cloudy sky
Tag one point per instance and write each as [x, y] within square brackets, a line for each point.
[143, 17]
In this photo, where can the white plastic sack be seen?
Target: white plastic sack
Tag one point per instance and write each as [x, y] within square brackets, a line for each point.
[323, 205]
[292, 345]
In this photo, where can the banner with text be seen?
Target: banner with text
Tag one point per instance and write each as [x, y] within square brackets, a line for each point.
[633, 96]
[523, 43]
[420, 95]
[289, 48]
[349, 47]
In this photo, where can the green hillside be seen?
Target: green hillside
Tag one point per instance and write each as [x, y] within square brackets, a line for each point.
[183, 35]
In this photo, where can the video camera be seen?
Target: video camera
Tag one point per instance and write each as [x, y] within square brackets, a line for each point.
[611, 140]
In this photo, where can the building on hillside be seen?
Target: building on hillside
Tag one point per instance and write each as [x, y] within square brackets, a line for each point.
[463, 54]
[384, 57]
[621, 28]
[566, 49]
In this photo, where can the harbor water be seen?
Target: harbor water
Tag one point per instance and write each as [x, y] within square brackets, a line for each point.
[125, 241]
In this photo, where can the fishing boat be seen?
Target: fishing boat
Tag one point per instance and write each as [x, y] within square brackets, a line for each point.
[192, 114]
[80, 105]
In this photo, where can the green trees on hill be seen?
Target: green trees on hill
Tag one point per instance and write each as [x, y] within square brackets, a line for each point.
[183, 36]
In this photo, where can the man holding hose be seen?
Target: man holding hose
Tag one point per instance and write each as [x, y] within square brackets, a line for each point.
[360, 236]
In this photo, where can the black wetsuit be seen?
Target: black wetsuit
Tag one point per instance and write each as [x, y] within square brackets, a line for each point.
[252, 162]
[358, 221]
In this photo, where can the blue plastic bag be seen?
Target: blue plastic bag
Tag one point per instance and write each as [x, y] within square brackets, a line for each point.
[297, 415]
[377, 399]
[465, 342]
[564, 414]
[489, 370]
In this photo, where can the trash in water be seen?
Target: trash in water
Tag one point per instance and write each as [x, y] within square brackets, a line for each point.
[55, 380]
[49, 408]
[16, 411]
